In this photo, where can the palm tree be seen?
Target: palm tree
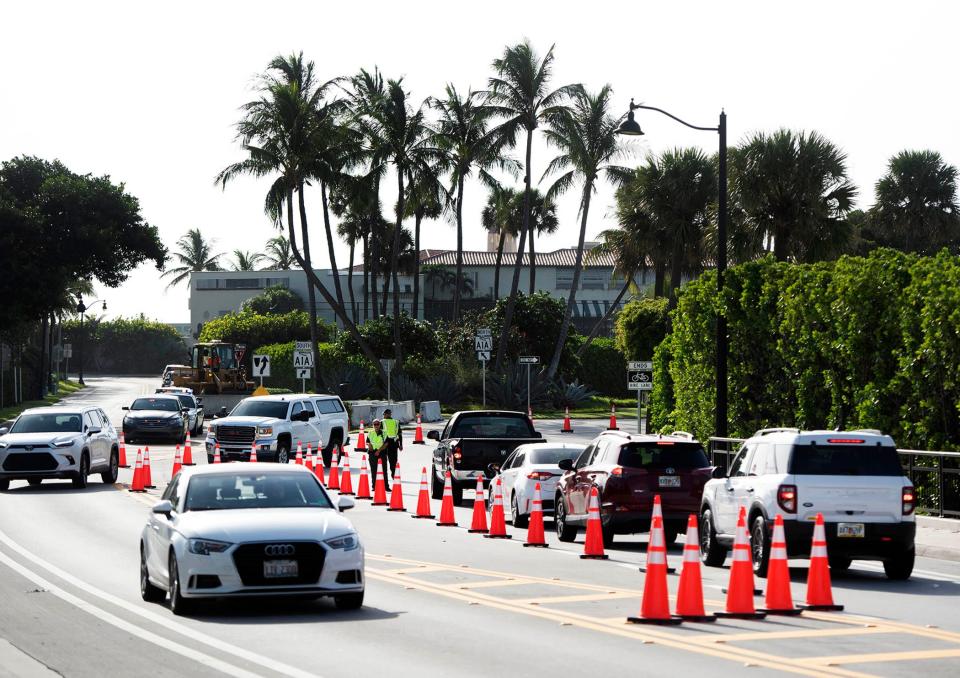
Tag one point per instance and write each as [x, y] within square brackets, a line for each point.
[193, 254]
[464, 137]
[497, 217]
[425, 200]
[244, 260]
[793, 186]
[586, 136]
[543, 219]
[916, 208]
[519, 93]
[438, 274]
[278, 254]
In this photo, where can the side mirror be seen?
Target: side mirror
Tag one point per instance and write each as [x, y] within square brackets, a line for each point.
[565, 464]
[537, 434]
[433, 435]
[124, 408]
[718, 472]
[493, 469]
[223, 411]
[346, 503]
[92, 430]
[4, 430]
[164, 507]
[199, 401]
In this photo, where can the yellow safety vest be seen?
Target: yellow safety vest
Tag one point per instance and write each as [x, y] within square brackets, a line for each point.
[375, 441]
[391, 428]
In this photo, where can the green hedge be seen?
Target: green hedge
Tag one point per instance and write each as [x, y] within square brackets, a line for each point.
[641, 326]
[254, 329]
[602, 367]
[126, 345]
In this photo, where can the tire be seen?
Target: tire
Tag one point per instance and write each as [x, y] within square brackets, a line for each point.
[349, 601]
[80, 478]
[109, 477]
[179, 605]
[759, 546]
[712, 552]
[839, 564]
[436, 486]
[565, 532]
[520, 520]
[457, 490]
[900, 567]
[608, 535]
[34, 481]
[149, 592]
[4, 485]
[283, 453]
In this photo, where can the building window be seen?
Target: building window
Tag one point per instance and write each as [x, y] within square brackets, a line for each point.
[208, 283]
[595, 279]
[277, 282]
[243, 283]
[564, 278]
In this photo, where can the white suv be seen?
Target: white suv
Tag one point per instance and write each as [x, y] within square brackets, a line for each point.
[853, 478]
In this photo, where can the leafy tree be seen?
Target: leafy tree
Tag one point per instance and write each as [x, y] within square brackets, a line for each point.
[244, 260]
[425, 199]
[255, 329]
[418, 337]
[641, 326]
[278, 254]
[194, 254]
[275, 300]
[537, 320]
[602, 366]
[127, 345]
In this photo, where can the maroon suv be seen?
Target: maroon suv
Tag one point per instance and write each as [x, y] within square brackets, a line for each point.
[628, 470]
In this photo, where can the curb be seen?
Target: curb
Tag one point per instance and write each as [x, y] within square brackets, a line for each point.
[939, 552]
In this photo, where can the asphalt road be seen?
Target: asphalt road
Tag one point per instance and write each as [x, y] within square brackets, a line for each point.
[439, 601]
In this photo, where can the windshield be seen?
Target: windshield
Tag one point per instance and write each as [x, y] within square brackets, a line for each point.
[553, 456]
[252, 490]
[845, 460]
[186, 400]
[275, 409]
[47, 423]
[492, 426]
[663, 454]
[164, 404]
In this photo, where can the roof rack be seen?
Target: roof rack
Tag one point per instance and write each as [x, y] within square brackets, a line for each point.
[616, 432]
[780, 429]
[683, 434]
[869, 431]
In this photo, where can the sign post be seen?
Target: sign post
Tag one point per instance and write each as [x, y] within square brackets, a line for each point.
[483, 343]
[529, 360]
[640, 379]
[388, 366]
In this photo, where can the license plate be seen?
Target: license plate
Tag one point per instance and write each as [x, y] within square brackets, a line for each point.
[669, 481]
[273, 569]
[850, 530]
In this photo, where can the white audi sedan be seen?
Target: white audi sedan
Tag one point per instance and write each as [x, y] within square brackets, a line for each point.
[526, 466]
[250, 529]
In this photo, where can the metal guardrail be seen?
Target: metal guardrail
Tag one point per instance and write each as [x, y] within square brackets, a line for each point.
[935, 474]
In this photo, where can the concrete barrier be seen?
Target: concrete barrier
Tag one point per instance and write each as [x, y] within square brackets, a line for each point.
[368, 410]
[430, 410]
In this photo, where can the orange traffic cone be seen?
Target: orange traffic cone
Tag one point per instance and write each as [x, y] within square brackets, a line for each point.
[188, 452]
[740, 589]
[593, 545]
[216, 453]
[299, 460]
[690, 593]
[447, 518]
[819, 593]
[613, 418]
[380, 484]
[418, 434]
[479, 522]
[567, 428]
[655, 607]
[318, 466]
[657, 513]
[346, 478]
[308, 458]
[363, 486]
[423, 501]
[147, 475]
[361, 439]
[177, 463]
[535, 536]
[333, 481]
[498, 523]
[122, 456]
[253, 452]
[137, 484]
[779, 600]
[396, 494]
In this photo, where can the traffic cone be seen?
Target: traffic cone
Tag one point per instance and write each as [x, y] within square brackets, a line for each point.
[819, 593]
[396, 493]
[740, 589]
[498, 523]
[593, 544]
[318, 466]
[535, 536]
[177, 463]
[418, 434]
[655, 607]
[567, 428]
[530, 413]
[690, 592]
[346, 479]
[779, 600]
[188, 452]
[363, 487]
[613, 418]
[308, 458]
[299, 460]
[447, 519]
[216, 453]
[147, 475]
[657, 513]
[361, 439]
[479, 522]
[137, 484]
[380, 484]
[253, 452]
[333, 481]
[423, 501]
[122, 456]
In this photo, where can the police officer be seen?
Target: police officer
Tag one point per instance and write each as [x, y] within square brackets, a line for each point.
[377, 448]
[394, 438]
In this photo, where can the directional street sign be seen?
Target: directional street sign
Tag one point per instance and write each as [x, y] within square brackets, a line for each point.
[302, 358]
[303, 373]
[483, 343]
[261, 366]
[645, 365]
[529, 360]
[640, 380]
[483, 356]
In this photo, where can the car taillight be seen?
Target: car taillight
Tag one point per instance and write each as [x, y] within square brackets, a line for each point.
[540, 475]
[616, 471]
[457, 455]
[908, 499]
[787, 498]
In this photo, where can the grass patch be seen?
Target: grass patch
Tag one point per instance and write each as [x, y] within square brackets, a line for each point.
[595, 408]
[65, 388]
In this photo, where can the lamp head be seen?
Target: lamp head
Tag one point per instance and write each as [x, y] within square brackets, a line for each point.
[630, 127]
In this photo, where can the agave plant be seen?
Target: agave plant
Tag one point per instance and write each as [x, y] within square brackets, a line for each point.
[403, 387]
[442, 387]
[349, 381]
[509, 390]
[571, 395]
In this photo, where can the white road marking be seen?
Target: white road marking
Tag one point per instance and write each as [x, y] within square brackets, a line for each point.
[195, 635]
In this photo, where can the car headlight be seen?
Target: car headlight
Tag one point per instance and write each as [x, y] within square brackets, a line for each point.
[204, 547]
[347, 542]
[264, 431]
[63, 442]
[212, 429]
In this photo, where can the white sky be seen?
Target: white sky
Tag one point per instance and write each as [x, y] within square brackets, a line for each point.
[148, 92]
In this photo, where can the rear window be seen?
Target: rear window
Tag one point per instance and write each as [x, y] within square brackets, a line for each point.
[553, 456]
[652, 455]
[492, 426]
[845, 460]
[328, 406]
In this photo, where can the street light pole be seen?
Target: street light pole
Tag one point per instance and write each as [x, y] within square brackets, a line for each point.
[632, 128]
[81, 309]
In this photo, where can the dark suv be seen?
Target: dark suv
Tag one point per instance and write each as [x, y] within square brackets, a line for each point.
[628, 470]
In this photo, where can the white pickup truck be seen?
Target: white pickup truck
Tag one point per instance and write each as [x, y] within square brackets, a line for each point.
[276, 423]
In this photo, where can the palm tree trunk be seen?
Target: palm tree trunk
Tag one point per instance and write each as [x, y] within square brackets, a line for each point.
[676, 270]
[533, 262]
[496, 269]
[374, 271]
[572, 297]
[395, 265]
[353, 302]
[385, 297]
[459, 278]
[780, 243]
[307, 267]
[366, 277]
[333, 255]
[659, 274]
[606, 316]
[418, 217]
[525, 225]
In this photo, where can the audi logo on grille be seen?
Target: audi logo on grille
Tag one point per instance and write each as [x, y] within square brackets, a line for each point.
[279, 550]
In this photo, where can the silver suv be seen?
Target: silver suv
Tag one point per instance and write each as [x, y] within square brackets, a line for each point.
[59, 442]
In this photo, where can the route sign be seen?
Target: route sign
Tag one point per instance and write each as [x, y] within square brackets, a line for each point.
[261, 366]
[483, 332]
[483, 356]
[302, 346]
[483, 343]
[67, 351]
[303, 373]
[640, 380]
[302, 358]
[529, 360]
[645, 365]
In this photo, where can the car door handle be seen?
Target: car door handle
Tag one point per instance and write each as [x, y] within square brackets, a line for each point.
[729, 489]
[749, 489]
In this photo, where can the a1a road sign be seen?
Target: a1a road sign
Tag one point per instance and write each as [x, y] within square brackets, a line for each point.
[640, 380]
[261, 366]
[483, 356]
[302, 358]
[482, 343]
[303, 373]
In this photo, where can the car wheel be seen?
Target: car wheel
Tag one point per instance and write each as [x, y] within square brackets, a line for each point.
[109, 477]
[900, 567]
[149, 592]
[519, 520]
[457, 491]
[564, 532]
[4, 485]
[712, 552]
[436, 486]
[759, 546]
[839, 564]
[349, 601]
[608, 535]
[283, 453]
[80, 478]
[34, 481]
[179, 605]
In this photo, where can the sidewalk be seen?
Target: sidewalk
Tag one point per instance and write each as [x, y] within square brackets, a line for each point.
[938, 538]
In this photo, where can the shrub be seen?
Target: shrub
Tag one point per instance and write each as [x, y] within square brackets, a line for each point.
[126, 345]
[509, 390]
[416, 338]
[275, 300]
[641, 326]
[603, 367]
[442, 387]
[571, 395]
[349, 381]
[282, 374]
[254, 329]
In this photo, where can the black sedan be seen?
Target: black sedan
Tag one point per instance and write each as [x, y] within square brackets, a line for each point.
[156, 417]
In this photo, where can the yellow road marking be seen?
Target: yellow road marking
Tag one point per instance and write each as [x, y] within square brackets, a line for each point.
[581, 598]
[488, 584]
[881, 657]
[782, 635]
